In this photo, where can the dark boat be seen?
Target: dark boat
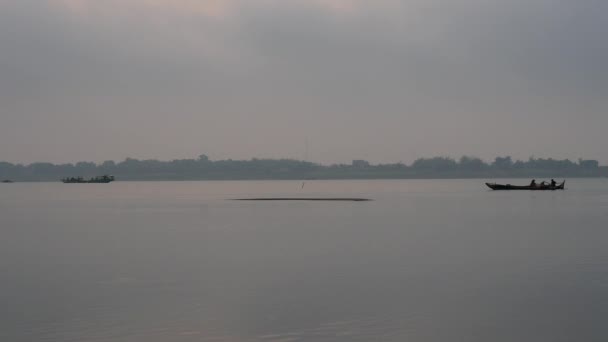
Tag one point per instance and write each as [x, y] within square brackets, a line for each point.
[7, 181]
[495, 186]
[102, 179]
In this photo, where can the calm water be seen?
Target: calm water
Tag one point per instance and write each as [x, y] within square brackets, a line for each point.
[428, 260]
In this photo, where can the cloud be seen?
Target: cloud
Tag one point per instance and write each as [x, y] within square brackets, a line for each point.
[433, 76]
[213, 8]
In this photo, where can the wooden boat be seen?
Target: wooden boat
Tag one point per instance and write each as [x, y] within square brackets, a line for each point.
[102, 179]
[495, 186]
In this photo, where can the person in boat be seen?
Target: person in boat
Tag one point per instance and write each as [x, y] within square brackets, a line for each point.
[533, 182]
[553, 182]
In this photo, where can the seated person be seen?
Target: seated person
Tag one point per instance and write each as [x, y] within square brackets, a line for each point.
[533, 182]
[553, 182]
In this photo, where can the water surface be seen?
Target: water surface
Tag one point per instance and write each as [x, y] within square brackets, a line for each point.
[427, 260]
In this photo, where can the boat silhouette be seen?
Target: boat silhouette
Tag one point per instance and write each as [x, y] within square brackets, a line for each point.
[99, 179]
[495, 186]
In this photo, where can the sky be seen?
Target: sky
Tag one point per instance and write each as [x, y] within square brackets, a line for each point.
[330, 80]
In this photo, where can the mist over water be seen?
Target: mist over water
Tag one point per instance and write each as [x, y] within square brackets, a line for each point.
[427, 260]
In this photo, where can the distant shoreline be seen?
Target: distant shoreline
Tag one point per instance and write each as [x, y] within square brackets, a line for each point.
[203, 168]
[323, 179]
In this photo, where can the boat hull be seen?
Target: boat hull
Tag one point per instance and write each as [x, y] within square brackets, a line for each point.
[87, 182]
[495, 186]
[96, 180]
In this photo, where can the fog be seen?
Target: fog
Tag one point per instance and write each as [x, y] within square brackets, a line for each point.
[333, 80]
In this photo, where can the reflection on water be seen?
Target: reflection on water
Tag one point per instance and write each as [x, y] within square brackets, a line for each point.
[427, 260]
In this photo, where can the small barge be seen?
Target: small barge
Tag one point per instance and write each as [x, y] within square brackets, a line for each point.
[100, 179]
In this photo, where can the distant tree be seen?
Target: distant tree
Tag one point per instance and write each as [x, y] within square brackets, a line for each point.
[129, 166]
[108, 164]
[519, 165]
[360, 163]
[41, 169]
[588, 164]
[85, 169]
[503, 163]
[471, 164]
[436, 164]
[203, 168]
[9, 171]
[85, 165]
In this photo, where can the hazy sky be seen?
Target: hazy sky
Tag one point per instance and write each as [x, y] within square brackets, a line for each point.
[382, 80]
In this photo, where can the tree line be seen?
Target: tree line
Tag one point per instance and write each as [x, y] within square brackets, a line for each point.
[202, 168]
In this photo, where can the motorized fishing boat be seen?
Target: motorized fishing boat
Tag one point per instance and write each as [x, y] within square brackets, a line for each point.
[101, 179]
[541, 186]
